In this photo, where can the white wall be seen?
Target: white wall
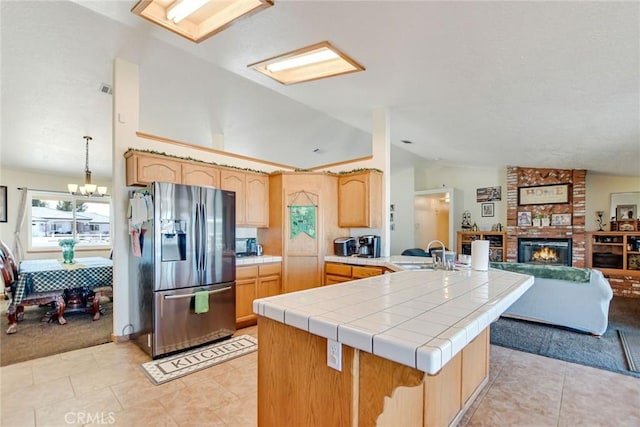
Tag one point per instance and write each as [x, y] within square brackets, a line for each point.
[468, 180]
[598, 193]
[402, 185]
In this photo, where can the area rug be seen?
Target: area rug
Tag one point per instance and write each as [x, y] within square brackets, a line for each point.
[631, 346]
[36, 339]
[160, 371]
[605, 352]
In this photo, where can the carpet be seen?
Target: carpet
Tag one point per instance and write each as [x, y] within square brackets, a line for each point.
[605, 352]
[160, 371]
[36, 339]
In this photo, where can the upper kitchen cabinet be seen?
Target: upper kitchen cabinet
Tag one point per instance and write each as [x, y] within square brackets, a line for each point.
[144, 168]
[360, 199]
[252, 196]
[200, 174]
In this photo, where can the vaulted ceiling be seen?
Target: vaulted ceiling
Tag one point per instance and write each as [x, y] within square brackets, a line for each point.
[537, 84]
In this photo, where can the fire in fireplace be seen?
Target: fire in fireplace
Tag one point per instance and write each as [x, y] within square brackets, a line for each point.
[544, 251]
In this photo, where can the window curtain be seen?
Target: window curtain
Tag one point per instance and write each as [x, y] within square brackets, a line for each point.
[18, 249]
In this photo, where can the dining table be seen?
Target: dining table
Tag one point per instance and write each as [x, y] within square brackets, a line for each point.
[44, 280]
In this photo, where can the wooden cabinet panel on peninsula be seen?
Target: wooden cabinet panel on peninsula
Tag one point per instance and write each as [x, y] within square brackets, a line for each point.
[252, 196]
[360, 199]
[255, 281]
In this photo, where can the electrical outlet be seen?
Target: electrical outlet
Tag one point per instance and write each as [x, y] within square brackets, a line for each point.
[334, 354]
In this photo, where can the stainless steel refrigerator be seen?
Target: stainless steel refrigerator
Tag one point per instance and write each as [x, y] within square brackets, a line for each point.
[186, 249]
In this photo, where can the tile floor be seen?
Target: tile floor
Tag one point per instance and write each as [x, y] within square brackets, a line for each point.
[104, 385]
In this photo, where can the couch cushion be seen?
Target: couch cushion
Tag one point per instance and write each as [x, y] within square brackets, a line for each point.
[560, 272]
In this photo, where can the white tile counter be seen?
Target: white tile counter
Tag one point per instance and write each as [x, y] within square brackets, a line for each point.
[417, 318]
[263, 259]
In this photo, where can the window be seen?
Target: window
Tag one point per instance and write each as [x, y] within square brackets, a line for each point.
[56, 216]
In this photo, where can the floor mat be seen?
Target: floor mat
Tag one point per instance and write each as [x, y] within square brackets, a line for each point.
[631, 346]
[160, 371]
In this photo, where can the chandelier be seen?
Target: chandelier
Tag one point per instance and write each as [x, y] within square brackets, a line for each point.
[88, 189]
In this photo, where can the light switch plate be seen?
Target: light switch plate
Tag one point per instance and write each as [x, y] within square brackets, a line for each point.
[334, 354]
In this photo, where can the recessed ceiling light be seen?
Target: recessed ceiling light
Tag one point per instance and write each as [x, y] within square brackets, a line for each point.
[406, 141]
[197, 20]
[308, 63]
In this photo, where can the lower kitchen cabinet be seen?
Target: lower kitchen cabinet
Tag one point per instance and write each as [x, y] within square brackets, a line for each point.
[255, 281]
[335, 272]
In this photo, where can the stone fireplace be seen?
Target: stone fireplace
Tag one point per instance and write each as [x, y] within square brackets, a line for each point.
[544, 251]
[572, 230]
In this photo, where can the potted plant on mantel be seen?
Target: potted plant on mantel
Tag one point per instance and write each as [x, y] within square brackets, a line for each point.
[545, 221]
[536, 220]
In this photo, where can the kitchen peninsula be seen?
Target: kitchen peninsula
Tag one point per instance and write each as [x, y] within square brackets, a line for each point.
[411, 347]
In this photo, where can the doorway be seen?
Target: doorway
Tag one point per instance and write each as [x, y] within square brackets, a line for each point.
[435, 212]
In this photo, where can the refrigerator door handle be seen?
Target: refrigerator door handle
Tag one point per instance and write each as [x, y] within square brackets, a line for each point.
[203, 239]
[217, 291]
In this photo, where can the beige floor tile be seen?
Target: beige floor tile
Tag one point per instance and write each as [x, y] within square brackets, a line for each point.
[60, 368]
[136, 392]
[18, 419]
[198, 404]
[241, 382]
[151, 414]
[37, 396]
[98, 406]
[241, 412]
[105, 376]
[15, 377]
[127, 352]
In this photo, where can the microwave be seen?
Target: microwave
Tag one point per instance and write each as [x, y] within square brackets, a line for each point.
[246, 247]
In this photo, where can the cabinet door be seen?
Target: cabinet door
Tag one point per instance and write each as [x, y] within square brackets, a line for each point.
[245, 294]
[257, 200]
[332, 280]
[268, 286]
[235, 181]
[360, 200]
[194, 174]
[144, 169]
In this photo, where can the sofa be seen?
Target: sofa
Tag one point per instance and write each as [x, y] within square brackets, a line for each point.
[576, 298]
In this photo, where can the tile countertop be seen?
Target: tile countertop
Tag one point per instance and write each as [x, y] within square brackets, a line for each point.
[263, 259]
[417, 318]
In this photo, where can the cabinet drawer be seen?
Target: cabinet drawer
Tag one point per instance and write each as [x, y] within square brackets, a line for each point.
[360, 272]
[246, 272]
[270, 269]
[332, 280]
[337, 269]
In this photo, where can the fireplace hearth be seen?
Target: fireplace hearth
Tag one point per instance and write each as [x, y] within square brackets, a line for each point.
[544, 251]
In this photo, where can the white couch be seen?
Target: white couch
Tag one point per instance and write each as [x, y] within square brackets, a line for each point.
[583, 306]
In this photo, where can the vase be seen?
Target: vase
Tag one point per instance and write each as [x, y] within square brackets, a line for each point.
[536, 222]
[67, 254]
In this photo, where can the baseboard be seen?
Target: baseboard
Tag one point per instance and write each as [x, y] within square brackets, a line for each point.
[120, 338]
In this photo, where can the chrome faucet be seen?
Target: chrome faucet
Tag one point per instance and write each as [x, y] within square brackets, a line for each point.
[444, 259]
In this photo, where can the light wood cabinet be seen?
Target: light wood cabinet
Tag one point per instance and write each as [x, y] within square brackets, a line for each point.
[252, 196]
[251, 188]
[257, 200]
[360, 199]
[144, 168]
[335, 272]
[200, 174]
[497, 243]
[614, 252]
[255, 281]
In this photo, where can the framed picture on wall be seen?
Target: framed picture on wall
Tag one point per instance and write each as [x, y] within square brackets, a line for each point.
[487, 209]
[625, 212]
[524, 219]
[488, 194]
[3, 203]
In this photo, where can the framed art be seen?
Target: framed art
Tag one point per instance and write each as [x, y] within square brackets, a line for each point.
[487, 209]
[524, 219]
[3, 203]
[488, 194]
[626, 212]
[560, 219]
[543, 194]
